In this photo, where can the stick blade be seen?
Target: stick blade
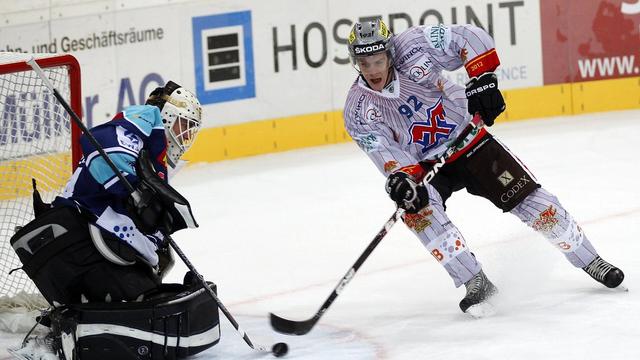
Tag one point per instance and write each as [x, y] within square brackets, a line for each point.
[291, 327]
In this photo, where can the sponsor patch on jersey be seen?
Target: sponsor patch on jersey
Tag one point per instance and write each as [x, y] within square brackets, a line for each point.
[419, 221]
[434, 131]
[372, 113]
[389, 166]
[439, 36]
[409, 54]
[128, 139]
[463, 55]
[420, 69]
[447, 246]
[368, 143]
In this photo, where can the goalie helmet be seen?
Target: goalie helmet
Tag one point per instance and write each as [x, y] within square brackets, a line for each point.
[369, 38]
[181, 115]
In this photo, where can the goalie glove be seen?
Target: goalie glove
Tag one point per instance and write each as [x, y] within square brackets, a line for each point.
[165, 260]
[406, 193]
[155, 205]
[146, 209]
[484, 97]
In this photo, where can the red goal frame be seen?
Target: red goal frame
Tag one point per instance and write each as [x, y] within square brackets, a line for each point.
[75, 91]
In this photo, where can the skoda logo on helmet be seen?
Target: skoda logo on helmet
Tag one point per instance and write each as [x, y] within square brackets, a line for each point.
[368, 49]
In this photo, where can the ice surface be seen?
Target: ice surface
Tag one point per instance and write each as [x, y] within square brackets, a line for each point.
[277, 232]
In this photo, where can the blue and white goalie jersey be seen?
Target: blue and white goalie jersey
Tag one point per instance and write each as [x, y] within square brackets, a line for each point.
[95, 187]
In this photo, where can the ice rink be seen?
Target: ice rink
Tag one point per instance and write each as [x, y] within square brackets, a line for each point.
[277, 232]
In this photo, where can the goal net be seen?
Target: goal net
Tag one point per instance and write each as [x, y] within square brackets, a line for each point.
[37, 140]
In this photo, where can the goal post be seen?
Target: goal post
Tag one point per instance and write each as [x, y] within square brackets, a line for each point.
[38, 140]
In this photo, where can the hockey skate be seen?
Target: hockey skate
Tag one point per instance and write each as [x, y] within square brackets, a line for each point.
[479, 290]
[605, 273]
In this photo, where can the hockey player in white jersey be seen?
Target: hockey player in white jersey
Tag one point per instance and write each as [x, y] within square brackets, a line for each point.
[404, 113]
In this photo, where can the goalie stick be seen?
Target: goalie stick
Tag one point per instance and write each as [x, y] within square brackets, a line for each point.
[293, 327]
[34, 65]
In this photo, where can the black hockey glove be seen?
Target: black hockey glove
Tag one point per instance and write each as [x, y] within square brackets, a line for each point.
[148, 212]
[165, 260]
[485, 98]
[407, 193]
[155, 205]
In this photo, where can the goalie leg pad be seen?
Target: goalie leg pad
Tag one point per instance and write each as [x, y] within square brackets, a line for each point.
[51, 236]
[173, 326]
[58, 255]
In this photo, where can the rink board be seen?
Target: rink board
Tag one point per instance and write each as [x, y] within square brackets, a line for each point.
[235, 141]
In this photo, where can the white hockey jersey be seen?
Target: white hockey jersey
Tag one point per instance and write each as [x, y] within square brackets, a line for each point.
[420, 112]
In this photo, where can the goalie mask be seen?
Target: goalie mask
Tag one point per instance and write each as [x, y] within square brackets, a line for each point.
[369, 38]
[181, 115]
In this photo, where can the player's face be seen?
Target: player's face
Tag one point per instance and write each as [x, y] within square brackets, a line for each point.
[185, 131]
[375, 69]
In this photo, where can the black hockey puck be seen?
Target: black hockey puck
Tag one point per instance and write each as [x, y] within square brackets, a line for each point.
[280, 349]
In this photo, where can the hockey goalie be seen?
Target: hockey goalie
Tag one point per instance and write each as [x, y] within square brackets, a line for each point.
[98, 252]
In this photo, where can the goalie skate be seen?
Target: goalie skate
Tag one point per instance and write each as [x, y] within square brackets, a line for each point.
[35, 348]
[479, 291]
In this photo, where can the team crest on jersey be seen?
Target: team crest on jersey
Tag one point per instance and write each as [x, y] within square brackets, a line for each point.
[128, 139]
[430, 133]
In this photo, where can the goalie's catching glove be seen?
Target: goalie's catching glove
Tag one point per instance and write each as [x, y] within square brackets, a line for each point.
[155, 205]
[485, 98]
[406, 192]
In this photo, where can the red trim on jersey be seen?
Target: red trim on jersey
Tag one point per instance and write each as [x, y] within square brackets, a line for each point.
[464, 150]
[415, 171]
[162, 157]
[118, 116]
[483, 63]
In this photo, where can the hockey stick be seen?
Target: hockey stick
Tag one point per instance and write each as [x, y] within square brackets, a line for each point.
[292, 327]
[278, 349]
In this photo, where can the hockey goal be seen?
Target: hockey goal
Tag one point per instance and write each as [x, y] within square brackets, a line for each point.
[37, 140]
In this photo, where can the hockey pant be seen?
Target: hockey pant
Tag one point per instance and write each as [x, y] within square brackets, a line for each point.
[491, 171]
